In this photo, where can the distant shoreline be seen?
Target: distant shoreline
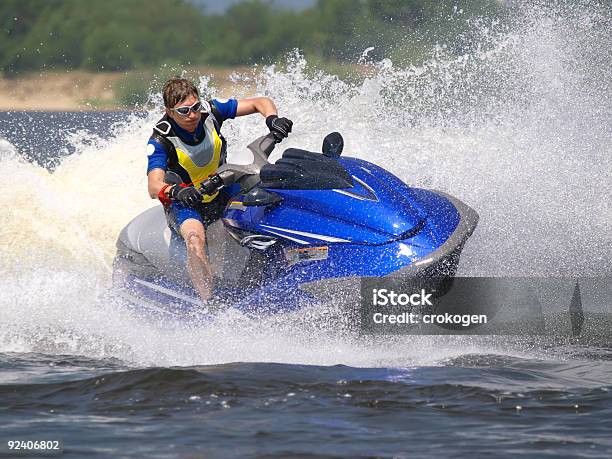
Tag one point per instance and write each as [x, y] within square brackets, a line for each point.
[92, 110]
[77, 91]
[59, 92]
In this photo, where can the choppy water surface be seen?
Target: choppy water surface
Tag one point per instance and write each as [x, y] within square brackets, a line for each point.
[472, 404]
[519, 128]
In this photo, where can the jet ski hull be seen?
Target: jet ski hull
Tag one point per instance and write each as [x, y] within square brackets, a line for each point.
[291, 227]
[281, 280]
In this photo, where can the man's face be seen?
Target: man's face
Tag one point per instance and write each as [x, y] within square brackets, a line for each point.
[190, 121]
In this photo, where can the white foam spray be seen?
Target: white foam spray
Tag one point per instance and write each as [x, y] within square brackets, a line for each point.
[518, 127]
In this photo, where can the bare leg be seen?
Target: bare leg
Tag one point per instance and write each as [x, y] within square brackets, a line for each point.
[198, 266]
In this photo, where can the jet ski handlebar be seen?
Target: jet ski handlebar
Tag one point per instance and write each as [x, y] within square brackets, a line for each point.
[228, 174]
[218, 181]
[262, 148]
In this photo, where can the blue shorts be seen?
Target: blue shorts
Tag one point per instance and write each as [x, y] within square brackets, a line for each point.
[205, 213]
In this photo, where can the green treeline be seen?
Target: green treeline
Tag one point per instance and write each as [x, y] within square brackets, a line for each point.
[126, 34]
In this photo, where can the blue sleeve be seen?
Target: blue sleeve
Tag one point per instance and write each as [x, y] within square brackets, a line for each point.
[227, 108]
[158, 159]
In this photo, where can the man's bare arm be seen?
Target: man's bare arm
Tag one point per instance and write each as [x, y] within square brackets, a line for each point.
[263, 105]
[155, 179]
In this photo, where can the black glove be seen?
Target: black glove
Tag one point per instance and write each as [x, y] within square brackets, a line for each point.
[211, 185]
[188, 196]
[280, 127]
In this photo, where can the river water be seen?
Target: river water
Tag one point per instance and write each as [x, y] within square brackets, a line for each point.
[519, 128]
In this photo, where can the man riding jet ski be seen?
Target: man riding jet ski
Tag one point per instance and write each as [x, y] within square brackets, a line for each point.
[305, 221]
[187, 141]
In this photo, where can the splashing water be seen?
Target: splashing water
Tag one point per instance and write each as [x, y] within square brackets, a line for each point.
[518, 127]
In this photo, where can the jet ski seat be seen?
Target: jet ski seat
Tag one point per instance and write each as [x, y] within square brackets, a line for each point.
[305, 170]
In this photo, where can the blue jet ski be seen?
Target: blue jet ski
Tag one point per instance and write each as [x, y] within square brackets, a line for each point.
[292, 229]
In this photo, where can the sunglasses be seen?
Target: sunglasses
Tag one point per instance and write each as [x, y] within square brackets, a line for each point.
[184, 111]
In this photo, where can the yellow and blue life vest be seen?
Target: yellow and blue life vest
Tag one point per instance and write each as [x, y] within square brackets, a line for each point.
[194, 160]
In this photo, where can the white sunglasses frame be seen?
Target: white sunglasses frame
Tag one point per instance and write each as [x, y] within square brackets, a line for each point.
[190, 108]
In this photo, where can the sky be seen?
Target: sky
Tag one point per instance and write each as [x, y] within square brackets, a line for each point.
[219, 6]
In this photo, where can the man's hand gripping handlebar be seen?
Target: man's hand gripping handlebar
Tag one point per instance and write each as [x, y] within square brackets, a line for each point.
[217, 182]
